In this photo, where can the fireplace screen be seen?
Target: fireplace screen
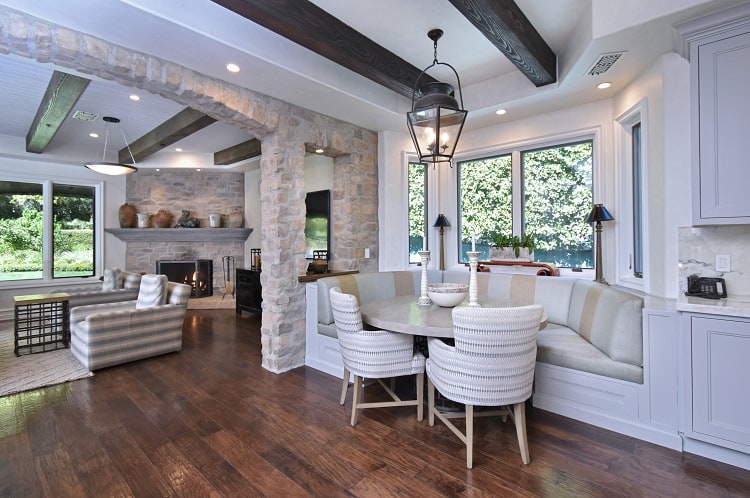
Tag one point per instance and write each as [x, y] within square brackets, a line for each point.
[197, 273]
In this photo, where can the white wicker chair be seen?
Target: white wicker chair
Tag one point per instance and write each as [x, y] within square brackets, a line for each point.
[374, 354]
[491, 364]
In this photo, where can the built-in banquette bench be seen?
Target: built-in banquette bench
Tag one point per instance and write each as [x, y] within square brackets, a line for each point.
[590, 356]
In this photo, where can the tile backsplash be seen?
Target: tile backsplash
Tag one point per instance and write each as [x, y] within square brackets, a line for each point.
[698, 247]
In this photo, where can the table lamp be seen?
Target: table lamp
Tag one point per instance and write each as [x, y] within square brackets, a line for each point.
[598, 214]
[442, 223]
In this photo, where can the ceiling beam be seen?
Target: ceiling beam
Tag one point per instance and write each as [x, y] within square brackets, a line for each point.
[239, 152]
[506, 26]
[308, 25]
[179, 126]
[63, 91]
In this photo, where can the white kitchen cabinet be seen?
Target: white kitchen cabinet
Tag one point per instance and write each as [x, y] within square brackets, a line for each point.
[717, 408]
[719, 48]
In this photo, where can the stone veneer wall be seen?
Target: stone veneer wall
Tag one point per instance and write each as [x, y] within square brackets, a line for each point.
[200, 192]
[283, 129]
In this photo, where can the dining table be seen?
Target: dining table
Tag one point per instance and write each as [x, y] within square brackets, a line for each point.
[403, 314]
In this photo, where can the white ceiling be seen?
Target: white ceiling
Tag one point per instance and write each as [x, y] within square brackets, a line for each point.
[204, 36]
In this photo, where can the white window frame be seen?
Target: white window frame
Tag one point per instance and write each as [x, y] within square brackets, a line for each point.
[47, 250]
[514, 149]
[625, 223]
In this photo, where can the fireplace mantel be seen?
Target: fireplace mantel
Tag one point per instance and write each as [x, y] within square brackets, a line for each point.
[179, 234]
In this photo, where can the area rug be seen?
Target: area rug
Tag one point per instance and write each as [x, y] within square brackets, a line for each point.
[32, 371]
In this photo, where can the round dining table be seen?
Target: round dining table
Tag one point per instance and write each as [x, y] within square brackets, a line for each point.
[403, 314]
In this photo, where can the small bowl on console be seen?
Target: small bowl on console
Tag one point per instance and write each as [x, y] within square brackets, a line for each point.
[447, 295]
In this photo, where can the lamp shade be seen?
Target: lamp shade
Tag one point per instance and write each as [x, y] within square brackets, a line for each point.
[599, 213]
[441, 221]
[108, 168]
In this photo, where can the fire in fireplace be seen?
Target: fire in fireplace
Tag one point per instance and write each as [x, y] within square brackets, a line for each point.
[197, 273]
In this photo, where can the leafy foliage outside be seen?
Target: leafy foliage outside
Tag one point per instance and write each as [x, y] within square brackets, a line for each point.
[557, 187]
[22, 235]
[417, 209]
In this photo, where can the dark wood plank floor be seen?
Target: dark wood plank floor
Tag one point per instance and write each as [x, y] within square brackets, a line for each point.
[209, 421]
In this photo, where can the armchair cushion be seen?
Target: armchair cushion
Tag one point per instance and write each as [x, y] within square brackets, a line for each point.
[111, 279]
[153, 291]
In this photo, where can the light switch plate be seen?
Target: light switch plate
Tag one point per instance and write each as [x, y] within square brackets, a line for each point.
[723, 263]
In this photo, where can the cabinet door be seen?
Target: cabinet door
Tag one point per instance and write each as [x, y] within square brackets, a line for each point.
[724, 121]
[721, 369]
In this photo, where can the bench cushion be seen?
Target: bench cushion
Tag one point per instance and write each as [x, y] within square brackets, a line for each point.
[561, 346]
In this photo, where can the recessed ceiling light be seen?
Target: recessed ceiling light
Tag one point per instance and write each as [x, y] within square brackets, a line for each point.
[233, 68]
[94, 135]
[319, 150]
[500, 112]
[604, 85]
[177, 149]
[135, 97]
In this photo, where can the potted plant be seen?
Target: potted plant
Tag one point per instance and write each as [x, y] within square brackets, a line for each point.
[513, 248]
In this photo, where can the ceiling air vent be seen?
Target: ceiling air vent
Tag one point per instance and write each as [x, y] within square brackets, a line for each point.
[604, 63]
[84, 116]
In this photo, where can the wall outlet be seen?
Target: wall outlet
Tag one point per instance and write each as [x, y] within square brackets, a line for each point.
[367, 253]
[723, 263]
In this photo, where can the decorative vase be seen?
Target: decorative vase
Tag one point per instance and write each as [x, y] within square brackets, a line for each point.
[162, 219]
[234, 220]
[127, 216]
[143, 219]
[214, 220]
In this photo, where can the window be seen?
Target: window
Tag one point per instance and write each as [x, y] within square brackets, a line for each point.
[637, 202]
[417, 194]
[46, 230]
[485, 203]
[630, 138]
[542, 192]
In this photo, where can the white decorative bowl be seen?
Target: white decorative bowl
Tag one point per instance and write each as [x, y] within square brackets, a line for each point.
[447, 295]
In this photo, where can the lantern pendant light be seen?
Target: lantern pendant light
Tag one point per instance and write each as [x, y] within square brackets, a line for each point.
[436, 118]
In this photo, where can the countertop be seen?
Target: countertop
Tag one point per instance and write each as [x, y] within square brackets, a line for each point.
[726, 306]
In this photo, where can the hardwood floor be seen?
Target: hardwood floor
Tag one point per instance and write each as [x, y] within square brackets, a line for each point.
[210, 421]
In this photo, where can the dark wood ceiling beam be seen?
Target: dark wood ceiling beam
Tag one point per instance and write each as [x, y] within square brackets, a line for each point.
[503, 23]
[63, 91]
[308, 25]
[239, 152]
[179, 126]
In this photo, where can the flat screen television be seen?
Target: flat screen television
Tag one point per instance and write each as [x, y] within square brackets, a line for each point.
[318, 222]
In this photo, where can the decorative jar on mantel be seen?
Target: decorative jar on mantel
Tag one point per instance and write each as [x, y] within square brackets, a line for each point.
[126, 216]
[162, 219]
[235, 218]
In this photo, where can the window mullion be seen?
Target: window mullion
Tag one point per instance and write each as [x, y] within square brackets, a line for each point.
[517, 191]
[48, 233]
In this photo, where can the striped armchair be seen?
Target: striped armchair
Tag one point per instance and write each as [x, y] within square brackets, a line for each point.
[491, 364]
[103, 335]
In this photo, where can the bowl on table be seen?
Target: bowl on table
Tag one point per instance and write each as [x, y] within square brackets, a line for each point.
[447, 295]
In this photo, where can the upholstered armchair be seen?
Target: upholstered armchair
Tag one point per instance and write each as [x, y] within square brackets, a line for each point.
[492, 364]
[103, 335]
[118, 285]
[374, 354]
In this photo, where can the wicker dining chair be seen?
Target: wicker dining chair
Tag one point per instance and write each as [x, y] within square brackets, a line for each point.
[492, 364]
[374, 354]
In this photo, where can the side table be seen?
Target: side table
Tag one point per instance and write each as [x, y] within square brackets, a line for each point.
[42, 323]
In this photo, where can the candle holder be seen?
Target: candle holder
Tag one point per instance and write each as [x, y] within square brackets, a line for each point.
[473, 263]
[424, 299]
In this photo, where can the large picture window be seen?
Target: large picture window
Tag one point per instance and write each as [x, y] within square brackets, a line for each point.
[46, 230]
[542, 192]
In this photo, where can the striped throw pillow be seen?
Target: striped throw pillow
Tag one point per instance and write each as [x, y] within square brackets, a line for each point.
[153, 291]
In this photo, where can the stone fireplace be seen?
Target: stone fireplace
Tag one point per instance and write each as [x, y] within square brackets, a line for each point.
[197, 273]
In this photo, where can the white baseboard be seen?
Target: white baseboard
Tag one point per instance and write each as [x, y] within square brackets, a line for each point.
[718, 453]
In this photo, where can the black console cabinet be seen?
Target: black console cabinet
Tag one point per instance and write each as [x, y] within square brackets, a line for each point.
[248, 291]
